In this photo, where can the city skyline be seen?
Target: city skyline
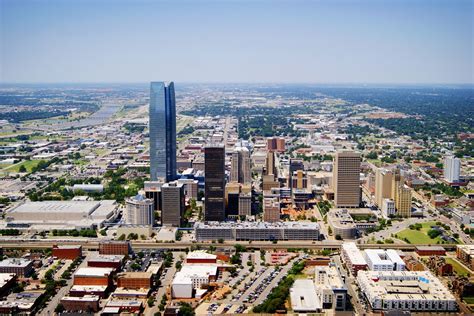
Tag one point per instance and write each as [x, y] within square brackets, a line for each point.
[365, 41]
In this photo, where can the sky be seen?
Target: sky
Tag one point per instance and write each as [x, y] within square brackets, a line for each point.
[326, 41]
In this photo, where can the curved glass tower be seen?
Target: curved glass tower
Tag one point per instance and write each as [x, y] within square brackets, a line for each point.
[162, 123]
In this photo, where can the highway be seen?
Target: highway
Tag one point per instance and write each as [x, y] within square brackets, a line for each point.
[178, 246]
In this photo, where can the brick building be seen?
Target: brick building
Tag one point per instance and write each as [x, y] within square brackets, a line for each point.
[430, 251]
[93, 276]
[21, 267]
[86, 303]
[106, 261]
[70, 252]
[135, 280]
[200, 257]
[113, 247]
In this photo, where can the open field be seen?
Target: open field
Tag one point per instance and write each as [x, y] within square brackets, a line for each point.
[458, 268]
[419, 236]
[29, 164]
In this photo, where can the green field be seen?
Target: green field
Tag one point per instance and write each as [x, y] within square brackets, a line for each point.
[29, 164]
[457, 267]
[418, 236]
[468, 300]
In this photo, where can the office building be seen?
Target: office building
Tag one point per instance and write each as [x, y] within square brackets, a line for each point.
[153, 191]
[271, 209]
[276, 144]
[87, 303]
[191, 188]
[299, 180]
[418, 291]
[397, 181]
[172, 201]
[70, 252]
[162, 112]
[240, 166]
[383, 260]
[383, 186]
[106, 261]
[135, 280]
[245, 203]
[346, 179]
[403, 202]
[270, 168]
[140, 211]
[452, 169]
[214, 187]
[114, 247]
[232, 193]
[388, 208]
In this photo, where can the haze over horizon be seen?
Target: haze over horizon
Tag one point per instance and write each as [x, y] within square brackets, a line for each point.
[335, 42]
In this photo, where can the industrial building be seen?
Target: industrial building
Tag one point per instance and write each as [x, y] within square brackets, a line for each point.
[405, 290]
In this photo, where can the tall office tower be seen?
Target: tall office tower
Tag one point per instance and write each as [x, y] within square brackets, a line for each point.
[191, 188]
[153, 191]
[162, 114]
[299, 180]
[452, 169]
[271, 209]
[276, 144]
[397, 180]
[270, 167]
[383, 186]
[245, 200]
[140, 211]
[403, 202]
[172, 200]
[240, 166]
[232, 193]
[214, 188]
[346, 179]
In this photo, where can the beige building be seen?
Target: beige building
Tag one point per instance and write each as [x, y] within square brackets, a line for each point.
[346, 179]
[383, 186]
[240, 166]
[403, 201]
[140, 211]
[271, 209]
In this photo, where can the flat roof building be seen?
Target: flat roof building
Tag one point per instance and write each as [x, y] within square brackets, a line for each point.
[346, 179]
[353, 258]
[303, 297]
[383, 260]
[21, 267]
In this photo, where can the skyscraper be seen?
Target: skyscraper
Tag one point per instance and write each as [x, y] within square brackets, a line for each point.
[383, 186]
[346, 179]
[172, 197]
[240, 167]
[452, 167]
[162, 113]
[214, 188]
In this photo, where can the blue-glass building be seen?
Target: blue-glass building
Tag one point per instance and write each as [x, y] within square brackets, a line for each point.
[162, 131]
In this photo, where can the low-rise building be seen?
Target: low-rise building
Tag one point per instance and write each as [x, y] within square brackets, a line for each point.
[200, 257]
[353, 258]
[383, 260]
[330, 287]
[134, 280]
[69, 252]
[86, 303]
[113, 247]
[405, 290]
[106, 261]
[465, 253]
[191, 278]
[93, 276]
[430, 250]
[303, 297]
[21, 267]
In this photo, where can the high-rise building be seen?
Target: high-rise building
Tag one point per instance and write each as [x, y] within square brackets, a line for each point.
[162, 122]
[271, 209]
[276, 144]
[214, 187]
[403, 201]
[299, 180]
[383, 186]
[232, 193]
[270, 164]
[452, 169]
[397, 180]
[172, 201]
[240, 166]
[153, 191]
[346, 179]
[245, 203]
[140, 211]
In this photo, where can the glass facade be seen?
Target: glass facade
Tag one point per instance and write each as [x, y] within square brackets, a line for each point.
[162, 123]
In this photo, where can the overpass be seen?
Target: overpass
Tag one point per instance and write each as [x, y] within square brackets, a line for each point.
[93, 244]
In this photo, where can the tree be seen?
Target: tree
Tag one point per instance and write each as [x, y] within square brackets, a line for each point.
[59, 308]
[186, 310]
[22, 169]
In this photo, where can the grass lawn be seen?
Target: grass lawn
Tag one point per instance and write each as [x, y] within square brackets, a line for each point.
[458, 268]
[418, 236]
[468, 300]
[29, 164]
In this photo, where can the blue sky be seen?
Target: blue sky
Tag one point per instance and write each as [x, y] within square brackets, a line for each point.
[376, 41]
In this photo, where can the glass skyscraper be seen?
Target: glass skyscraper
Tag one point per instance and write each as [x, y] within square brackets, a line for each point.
[162, 131]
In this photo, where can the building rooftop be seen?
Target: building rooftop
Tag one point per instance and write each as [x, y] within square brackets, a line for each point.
[107, 258]
[354, 253]
[132, 275]
[93, 272]
[303, 296]
[14, 262]
[85, 298]
[258, 225]
[5, 278]
[200, 254]
[383, 257]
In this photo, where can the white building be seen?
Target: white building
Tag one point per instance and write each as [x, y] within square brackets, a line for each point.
[452, 169]
[383, 260]
[330, 287]
[405, 290]
[140, 211]
[388, 207]
[191, 278]
[353, 258]
[303, 297]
